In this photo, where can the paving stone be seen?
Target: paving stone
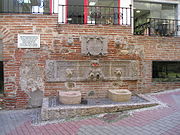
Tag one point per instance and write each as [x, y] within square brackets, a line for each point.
[164, 121]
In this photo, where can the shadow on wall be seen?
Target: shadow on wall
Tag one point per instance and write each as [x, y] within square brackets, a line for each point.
[1, 69]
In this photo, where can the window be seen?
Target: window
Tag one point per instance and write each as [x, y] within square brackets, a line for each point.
[155, 18]
[103, 12]
[92, 11]
[75, 11]
[166, 71]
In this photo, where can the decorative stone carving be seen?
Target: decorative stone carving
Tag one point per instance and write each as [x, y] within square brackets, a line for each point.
[95, 70]
[69, 73]
[95, 75]
[31, 79]
[131, 49]
[119, 84]
[135, 68]
[70, 41]
[120, 42]
[123, 47]
[51, 70]
[94, 45]
[70, 85]
[118, 72]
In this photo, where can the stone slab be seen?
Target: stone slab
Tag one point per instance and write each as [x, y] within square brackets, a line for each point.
[60, 112]
[62, 71]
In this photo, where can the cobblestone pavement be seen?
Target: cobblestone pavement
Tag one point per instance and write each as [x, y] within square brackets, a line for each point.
[157, 121]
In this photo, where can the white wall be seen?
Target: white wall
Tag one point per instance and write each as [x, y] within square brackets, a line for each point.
[126, 4]
[178, 18]
[61, 10]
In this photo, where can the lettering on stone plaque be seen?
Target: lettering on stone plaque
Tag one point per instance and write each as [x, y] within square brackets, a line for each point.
[28, 41]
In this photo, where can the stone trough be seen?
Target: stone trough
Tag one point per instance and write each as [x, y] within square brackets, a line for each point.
[52, 109]
[119, 95]
[70, 97]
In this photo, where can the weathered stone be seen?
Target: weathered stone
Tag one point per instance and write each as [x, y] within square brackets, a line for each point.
[70, 97]
[94, 45]
[62, 71]
[31, 76]
[119, 95]
[67, 111]
[70, 41]
[36, 98]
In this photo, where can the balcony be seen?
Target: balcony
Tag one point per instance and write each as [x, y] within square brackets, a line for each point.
[104, 15]
[158, 27]
[81, 14]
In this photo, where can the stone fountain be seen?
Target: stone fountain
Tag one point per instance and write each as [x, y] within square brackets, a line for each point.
[92, 71]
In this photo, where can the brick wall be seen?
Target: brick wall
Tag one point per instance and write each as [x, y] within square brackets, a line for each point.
[54, 46]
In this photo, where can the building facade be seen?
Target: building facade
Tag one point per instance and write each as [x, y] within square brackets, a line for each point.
[91, 46]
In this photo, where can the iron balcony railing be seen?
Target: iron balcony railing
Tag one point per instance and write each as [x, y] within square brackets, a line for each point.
[159, 27]
[25, 6]
[80, 14]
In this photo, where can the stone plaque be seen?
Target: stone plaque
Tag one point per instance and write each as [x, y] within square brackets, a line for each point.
[28, 41]
[63, 71]
[94, 45]
[36, 98]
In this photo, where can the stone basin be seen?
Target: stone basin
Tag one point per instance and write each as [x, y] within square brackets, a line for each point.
[70, 97]
[119, 95]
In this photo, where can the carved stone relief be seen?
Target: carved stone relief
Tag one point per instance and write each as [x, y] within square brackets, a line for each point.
[123, 47]
[31, 79]
[64, 71]
[120, 42]
[94, 45]
[70, 41]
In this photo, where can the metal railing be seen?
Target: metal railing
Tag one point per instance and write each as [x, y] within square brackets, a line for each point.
[159, 27]
[25, 6]
[80, 14]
